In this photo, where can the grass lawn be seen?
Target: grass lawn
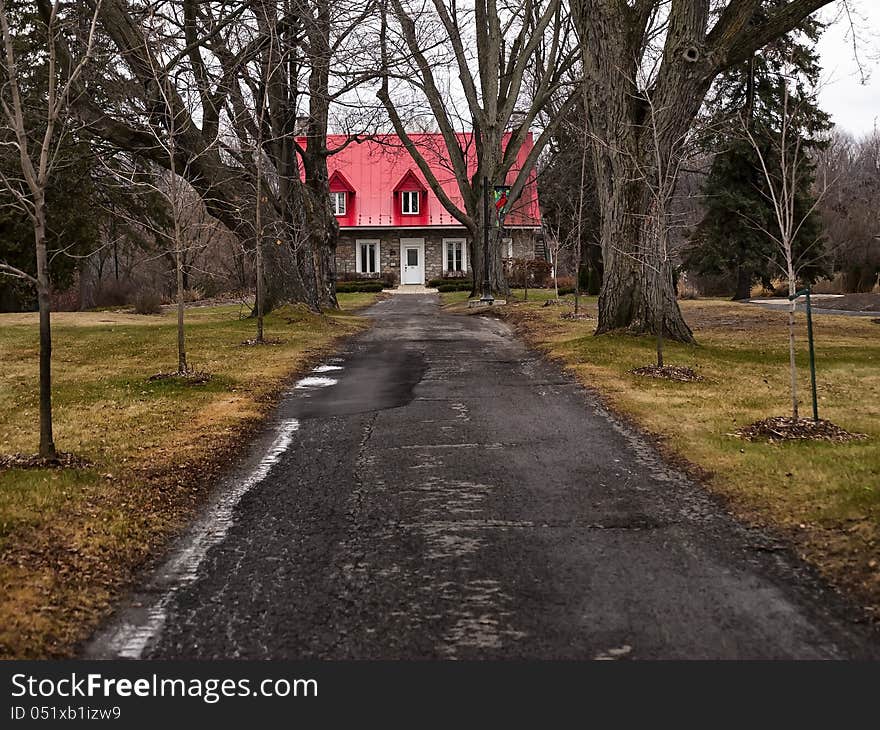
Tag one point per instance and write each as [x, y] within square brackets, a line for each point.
[824, 497]
[71, 539]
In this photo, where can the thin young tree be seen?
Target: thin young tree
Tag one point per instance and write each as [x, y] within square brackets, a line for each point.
[166, 177]
[37, 141]
[784, 162]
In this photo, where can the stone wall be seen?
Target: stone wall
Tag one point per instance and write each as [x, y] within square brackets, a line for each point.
[389, 249]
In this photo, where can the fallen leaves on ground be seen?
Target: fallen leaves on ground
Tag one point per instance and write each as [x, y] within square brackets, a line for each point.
[265, 341]
[668, 372]
[188, 377]
[62, 460]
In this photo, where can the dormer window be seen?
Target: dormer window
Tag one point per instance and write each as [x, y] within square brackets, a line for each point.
[337, 203]
[409, 202]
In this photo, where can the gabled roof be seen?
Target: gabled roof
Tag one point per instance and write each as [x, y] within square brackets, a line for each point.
[409, 181]
[338, 180]
[375, 168]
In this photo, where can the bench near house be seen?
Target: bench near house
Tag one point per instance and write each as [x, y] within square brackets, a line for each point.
[393, 225]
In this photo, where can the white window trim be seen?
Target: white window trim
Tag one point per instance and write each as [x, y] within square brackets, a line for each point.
[335, 194]
[464, 252]
[509, 245]
[414, 195]
[359, 265]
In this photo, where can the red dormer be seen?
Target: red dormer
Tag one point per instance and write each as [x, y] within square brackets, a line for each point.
[410, 201]
[342, 199]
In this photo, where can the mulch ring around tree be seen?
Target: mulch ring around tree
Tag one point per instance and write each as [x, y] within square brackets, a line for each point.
[265, 341]
[62, 460]
[785, 428]
[668, 372]
[190, 377]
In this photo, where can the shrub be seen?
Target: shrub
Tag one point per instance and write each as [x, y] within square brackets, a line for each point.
[66, 301]
[535, 271]
[192, 295]
[463, 281]
[367, 285]
[147, 301]
[446, 285]
[452, 286]
[387, 280]
[112, 293]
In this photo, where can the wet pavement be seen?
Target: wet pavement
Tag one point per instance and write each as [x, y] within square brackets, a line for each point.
[439, 491]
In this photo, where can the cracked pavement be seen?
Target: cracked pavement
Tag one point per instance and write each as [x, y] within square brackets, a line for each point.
[439, 491]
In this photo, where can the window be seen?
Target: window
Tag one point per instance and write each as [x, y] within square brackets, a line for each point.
[409, 202]
[368, 257]
[337, 202]
[454, 255]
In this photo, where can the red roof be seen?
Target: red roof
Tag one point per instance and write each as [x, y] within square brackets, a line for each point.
[375, 171]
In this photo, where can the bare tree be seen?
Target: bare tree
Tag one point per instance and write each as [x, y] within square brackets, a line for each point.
[658, 173]
[783, 162]
[684, 44]
[37, 142]
[169, 178]
[849, 210]
[221, 51]
[511, 61]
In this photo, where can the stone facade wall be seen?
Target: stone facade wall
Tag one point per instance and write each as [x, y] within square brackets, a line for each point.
[389, 249]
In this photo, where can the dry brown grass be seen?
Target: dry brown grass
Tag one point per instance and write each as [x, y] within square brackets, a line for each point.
[72, 539]
[825, 497]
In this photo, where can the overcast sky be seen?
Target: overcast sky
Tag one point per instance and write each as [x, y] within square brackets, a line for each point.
[854, 107]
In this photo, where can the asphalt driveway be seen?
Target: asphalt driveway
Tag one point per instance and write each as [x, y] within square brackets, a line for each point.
[439, 491]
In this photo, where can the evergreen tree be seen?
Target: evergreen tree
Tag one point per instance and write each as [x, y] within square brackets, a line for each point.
[729, 239]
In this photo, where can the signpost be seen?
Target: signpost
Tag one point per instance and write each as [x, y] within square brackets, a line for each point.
[793, 297]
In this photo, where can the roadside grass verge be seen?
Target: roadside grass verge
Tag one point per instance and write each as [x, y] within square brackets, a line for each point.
[823, 497]
[72, 539]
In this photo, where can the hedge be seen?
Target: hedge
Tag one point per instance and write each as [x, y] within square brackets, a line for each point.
[347, 287]
[451, 284]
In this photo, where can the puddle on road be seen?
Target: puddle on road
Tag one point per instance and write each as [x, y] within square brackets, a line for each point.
[314, 382]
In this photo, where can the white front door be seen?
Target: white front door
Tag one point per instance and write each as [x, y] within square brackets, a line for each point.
[412, 260]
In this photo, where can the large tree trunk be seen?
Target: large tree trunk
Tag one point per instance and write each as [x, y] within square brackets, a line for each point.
[482, 212]
[743, 283]
[497, 279]
[629, 137]
[47, 441]
[635, 295]
[321, 234]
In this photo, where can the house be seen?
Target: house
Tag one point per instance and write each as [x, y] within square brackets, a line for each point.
[390, 219]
